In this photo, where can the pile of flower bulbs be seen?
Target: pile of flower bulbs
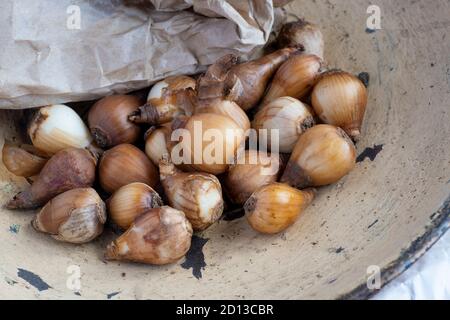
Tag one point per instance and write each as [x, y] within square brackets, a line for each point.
[68, 157]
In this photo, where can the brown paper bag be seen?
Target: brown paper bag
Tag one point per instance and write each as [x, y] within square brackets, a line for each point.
[57, 52]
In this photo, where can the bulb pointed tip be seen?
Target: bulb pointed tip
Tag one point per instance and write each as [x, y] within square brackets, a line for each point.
[355, 134]
[310, 194]
[111, 252]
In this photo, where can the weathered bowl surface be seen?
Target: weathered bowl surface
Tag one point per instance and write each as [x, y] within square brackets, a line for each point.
[386, 213]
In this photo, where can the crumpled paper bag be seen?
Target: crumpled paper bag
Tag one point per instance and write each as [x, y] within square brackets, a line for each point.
[65, 51]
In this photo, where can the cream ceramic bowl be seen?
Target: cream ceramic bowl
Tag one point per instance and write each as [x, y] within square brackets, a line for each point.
[384, 215]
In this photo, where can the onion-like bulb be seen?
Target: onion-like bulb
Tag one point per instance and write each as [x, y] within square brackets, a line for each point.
[68, 169]
[295, 78]
[209, 142]
[198, 195]
[23, 160]
[130, 201]
[108, 121]
[76, 216]
[323, 155]
[159, 236]
[58, 127]
[275, 207]
[287, 115]
[125, 164]
[302, 33]
[340, 99]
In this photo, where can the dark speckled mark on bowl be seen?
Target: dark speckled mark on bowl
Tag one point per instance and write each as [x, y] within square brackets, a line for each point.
[112, 294]
[339, 250]
[331, 281]
[370, 153]
[14, 228]
[195, 258]
[365, 78]
[32, 279]
[372, 224]
[9, 281]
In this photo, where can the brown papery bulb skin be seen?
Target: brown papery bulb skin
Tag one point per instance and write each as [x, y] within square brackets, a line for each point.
[322, 156]
[302, 33]
[130, 201]
[287, 115]
[295, 78]
[248, 81]
[125, 164]
[75, 216]
[160, 236]
[108, 121]
[253, 169]
[198, 195]
[202, 155]
[243, 83]
[68, 169]
[22, 160]
[340, 99]
[275, 207]
[212, 84]
[168, 99]
[226, 108]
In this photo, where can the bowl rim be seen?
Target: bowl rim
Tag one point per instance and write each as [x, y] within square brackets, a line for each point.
[433, 232]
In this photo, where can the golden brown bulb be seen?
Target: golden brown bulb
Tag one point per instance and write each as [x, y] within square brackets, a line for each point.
[130, 201]
[159, 236]
[68, 169]
[340, 99]
[275, 207]
[303, 33]
[108, 121]
[125, 164]
[209, 142]
[323, 155]
[295, 78]
[23, 160]
[198, 195]
[75, 216]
